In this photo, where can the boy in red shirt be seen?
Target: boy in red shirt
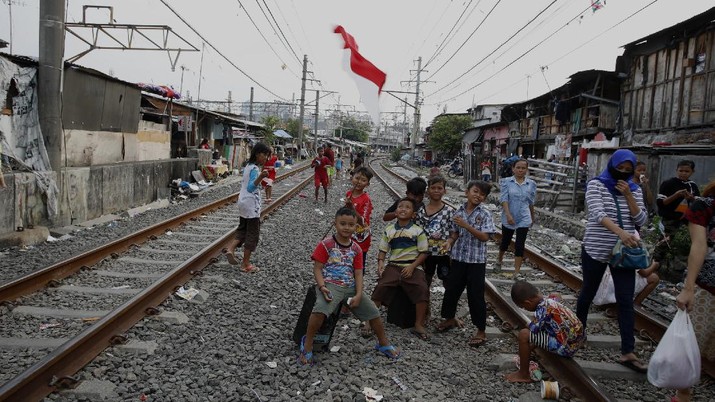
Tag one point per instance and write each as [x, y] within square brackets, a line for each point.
[320, 163]
[359, 200]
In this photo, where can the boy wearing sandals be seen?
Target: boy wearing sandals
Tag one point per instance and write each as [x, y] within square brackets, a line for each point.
[338, 272]
[555, 328]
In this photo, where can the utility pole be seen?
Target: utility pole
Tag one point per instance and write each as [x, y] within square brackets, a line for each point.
[195, 129]
[317, 111]
[416, 128]
[228, 106]
[49, 86]
[250, 107]
[302, 100]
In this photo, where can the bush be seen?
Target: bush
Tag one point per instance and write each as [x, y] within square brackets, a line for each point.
[395, 155]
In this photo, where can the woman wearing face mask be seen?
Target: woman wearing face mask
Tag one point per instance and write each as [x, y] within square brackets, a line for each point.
[613, 185]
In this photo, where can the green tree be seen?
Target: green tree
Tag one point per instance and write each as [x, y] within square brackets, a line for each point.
[447, 131]
[354, 130]
[271, 123]
[292, 126]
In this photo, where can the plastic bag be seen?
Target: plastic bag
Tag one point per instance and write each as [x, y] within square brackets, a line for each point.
[606, 293]
[676, 361]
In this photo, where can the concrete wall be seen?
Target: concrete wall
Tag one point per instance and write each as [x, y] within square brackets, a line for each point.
[89, 192]
[88, 148]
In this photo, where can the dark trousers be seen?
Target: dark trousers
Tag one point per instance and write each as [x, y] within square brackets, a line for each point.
[431, 264]
[506, 236]
[471, 276]
[624, 282]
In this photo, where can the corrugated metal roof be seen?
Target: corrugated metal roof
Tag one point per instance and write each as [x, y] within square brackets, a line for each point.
[282, 134]
[680, 30]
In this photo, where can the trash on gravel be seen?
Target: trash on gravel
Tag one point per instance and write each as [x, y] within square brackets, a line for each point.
[90, 319]
[187, 294]
[301, 195]
[371, 394]
[334, 349]
[49, 325]
[169, 233]
[399, 383]
[316, 383]
[121, 287]
[272, 364]
[319, 212]
[274, 306]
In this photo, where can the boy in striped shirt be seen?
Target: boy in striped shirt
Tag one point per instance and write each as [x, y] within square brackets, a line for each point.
[405, 246]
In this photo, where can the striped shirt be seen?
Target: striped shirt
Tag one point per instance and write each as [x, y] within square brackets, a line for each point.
[599, 241]
[468, 248]
[403, 243]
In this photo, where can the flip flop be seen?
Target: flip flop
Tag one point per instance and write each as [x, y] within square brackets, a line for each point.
[476, 342]
[250, 269]
[305, 358]
[631, 364]
[231, 257]
[389, 351]
[419, 334]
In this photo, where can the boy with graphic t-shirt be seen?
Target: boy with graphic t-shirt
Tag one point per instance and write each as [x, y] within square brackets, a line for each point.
[339, 278]
[359, 200]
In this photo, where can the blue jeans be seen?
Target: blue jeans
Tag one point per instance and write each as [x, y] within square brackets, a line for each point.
[624, 282]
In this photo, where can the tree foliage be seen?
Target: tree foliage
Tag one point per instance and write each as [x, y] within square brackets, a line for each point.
[447, 131]
[271, 123]
[292, 127]
[354, 130]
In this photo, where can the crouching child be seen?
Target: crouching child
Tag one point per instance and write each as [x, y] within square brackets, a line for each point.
[338, 271]
[555, 328]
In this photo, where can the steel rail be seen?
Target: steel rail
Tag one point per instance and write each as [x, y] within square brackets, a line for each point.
[32, 282]
[56, 369]
[567, 371]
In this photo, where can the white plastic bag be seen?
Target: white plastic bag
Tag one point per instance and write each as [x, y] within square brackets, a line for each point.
[606, 293]
[676, 361]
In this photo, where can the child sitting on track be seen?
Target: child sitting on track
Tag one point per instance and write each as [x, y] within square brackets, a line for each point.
[555, 328]
[249, 208]
[415, 191]
[407, 247]
[339, 278]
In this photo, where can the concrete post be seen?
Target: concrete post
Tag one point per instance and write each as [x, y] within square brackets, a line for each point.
[416, 128]
[250, 107]
[302, 101]
[317, 111]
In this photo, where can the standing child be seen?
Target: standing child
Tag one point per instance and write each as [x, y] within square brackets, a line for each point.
[359, 200]
[436, 219]
[405, 246]
[339, 167]
[339, 278]
[415, 191]
[320, 164]
[270, 167]
[555, 328]
[472, 228]
[249, 208]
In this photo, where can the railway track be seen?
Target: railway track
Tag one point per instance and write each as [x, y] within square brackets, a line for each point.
[571, 375]
[118, 284]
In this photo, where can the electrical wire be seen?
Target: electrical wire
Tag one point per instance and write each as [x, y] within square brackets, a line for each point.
[219, 52]
[279, 33]
[442, 45]
[288, 25]
[492, 52]
[265, 39]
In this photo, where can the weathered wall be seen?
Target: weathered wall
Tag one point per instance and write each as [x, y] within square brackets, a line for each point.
[89, 192]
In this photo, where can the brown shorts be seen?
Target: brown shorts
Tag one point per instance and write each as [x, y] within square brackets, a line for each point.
[415, 286]
[248, 231]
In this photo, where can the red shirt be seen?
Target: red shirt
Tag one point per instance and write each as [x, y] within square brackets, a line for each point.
[270, 166]
[363, 206]
[330, 154]
[319, 164]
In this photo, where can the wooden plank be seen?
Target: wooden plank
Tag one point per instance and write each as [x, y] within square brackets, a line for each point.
[535, 169]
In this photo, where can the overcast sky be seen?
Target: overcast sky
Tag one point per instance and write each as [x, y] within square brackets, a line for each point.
[391, 33]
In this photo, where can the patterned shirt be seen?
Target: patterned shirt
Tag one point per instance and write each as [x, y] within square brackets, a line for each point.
[249, 199]
[565, 330]
[702, 212]
[363, 206]
[436, 227]
[599, 241]
[403, 244]
[519, 197]
[468, 248]
[340, 261]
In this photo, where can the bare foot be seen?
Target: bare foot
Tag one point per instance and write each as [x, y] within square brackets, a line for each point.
[518, 376]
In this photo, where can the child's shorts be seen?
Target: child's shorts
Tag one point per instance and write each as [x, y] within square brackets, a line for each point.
[545, 341]
[248, 232]
[365, 311]
[331, 171]
[415, 286]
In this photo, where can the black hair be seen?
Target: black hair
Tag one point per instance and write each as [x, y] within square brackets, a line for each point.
[416, 186]
[345, 211]
[363, 171]
[436, 179]
[411, 201]
[687, 162]
[520, 160]
[259, 148]
[522, 291]
[639, 163]
[330, 145]
[482, 186]
[357, 162]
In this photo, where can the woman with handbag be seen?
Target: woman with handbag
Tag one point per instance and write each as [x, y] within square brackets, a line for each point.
[615, 208]
[700, 301]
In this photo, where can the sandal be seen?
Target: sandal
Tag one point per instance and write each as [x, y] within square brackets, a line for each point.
[231, 257]
[635, 365]
[389, 351]
[476, 342]
[305, 358]
[250, 269]
[419, 334]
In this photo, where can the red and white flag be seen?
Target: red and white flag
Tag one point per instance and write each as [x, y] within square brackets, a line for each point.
[369, 79]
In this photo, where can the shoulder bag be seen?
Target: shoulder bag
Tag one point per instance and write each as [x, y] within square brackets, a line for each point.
[624, 257]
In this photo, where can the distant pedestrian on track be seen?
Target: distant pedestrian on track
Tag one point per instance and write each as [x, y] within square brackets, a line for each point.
[555, 328]
[517, 197]
[320, 164]
[415, 190]
[267, 183]
[486, 174]
[338, 271]
[330, 154]
[472, 227]
[700, 300]
[249, 208]
[613, 185]
[339, 167]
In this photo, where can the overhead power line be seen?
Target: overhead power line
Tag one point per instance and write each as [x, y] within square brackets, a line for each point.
[219, 52]
[279, 31]
[493, 51]
[442, 45]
